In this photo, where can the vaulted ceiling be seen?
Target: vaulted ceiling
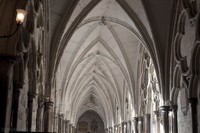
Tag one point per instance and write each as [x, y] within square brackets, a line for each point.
[96, 52]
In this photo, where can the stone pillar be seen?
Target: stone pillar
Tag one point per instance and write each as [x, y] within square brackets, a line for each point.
[55, 123]
[109, 131]
[119, 129]
[64, 126]
[70, 128]
[73, 129]
[164, 118]
[48, 105]
[115, 129]
[156, 113]
[135, 121]
[129, 126]
[140, 124]
[6, 91]
[122, 127]
[60, 123]
[147, 123]
[31, 96]
[67, 126]
[193, 107]
[174, 121]
[17, 87]
[125, 127]
[39, 121]
[106, 130]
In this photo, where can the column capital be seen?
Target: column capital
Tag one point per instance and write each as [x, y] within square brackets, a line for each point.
[135, 118]
[48, 104]
[124, 122]
[61, 115]
[164, 108]
[156, 113]
[32, 95]
[140, 118]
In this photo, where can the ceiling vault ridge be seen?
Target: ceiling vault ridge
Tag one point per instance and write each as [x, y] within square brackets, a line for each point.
[74, 26]
[125, 57]
[74, 66]
[80, 98]
[96, 72]
[91, 78]
[60, 44]
[107, 19]
[75, 52]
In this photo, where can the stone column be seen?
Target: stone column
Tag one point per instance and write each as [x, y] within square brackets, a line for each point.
[140, 124]
[119, 128]
[135, 121]
[55, 123]
[106, 130]
[48, 105]
[129, 127]
[125, 127]
[67, 126]
[110, 130]
[164, 118]
[147, 123]
[6, 91]
[73, 129]
[193, 107]
[156, 113]
[17, 87]
[174, 124]
[39, 121]
[115, 129]
[31, 96]
[64, 126]
[60, 123]
[70, 128]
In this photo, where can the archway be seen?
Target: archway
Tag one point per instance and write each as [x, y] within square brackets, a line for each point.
[90, 122]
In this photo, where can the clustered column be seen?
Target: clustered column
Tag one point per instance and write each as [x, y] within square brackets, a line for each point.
[164, 117]
[140, 124]
[48, 105]
[129, 126]
[174, 121]
[156, 114]
[147, 123]
[60, 123]
[135, 121]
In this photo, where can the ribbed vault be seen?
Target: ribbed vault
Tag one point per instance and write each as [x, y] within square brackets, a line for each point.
[97, 66]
